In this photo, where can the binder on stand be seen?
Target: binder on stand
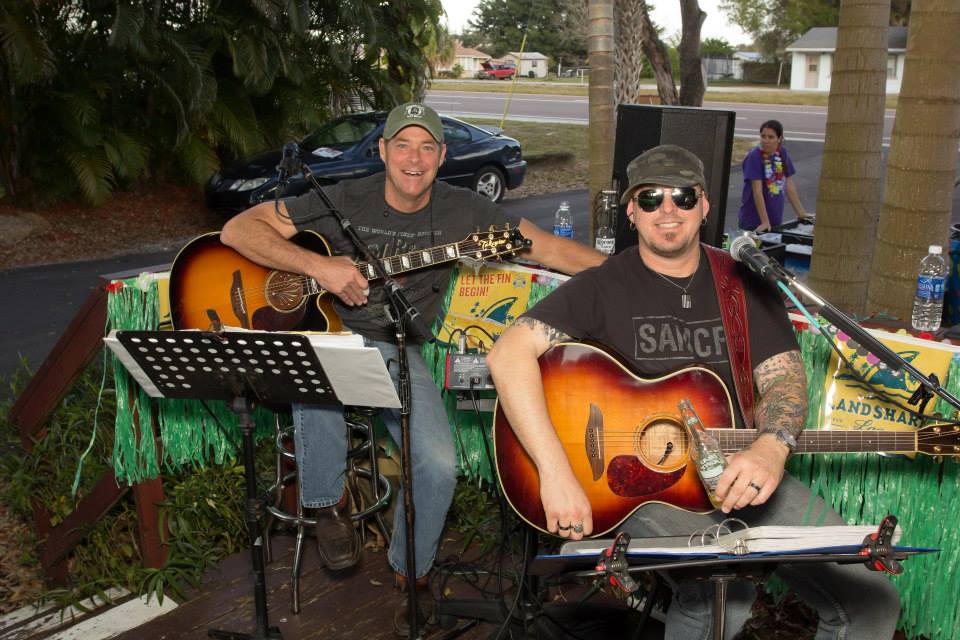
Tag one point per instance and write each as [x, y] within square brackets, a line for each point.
[249, 367]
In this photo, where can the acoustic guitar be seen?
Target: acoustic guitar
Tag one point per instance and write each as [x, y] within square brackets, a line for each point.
[211, 283]
[627, 445]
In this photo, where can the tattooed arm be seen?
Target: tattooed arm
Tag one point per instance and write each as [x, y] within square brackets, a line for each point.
[516, 373]
[781, 406]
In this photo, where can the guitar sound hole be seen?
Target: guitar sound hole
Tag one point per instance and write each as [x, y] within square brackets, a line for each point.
[662, 444]
[284, 291]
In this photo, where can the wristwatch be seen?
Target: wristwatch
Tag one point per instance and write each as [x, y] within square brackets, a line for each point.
[784, 438]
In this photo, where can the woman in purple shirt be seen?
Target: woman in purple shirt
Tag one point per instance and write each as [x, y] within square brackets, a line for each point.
[767, 182]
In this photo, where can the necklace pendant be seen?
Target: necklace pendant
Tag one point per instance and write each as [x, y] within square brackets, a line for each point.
[686, 301]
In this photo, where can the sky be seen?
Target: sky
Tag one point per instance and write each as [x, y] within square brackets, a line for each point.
[666, 13]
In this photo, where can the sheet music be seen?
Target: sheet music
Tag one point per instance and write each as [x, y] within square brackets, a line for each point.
[357, 374]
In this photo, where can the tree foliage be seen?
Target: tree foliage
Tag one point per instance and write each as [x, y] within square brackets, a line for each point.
[716, 48]
[774, 24]
[98, 94]
[556, 28]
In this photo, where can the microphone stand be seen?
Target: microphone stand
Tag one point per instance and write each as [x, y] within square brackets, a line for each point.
[403, 310]
[928, 385]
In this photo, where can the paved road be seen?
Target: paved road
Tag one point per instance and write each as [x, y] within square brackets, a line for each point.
[801, 123]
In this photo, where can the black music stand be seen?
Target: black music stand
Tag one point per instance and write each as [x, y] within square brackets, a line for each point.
[244, 367]
[617, 564]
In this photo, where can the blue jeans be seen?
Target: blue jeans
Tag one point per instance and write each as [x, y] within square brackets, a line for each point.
[321, 443]
[853, 603]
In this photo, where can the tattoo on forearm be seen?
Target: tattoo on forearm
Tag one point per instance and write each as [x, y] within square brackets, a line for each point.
[552, 334]
[782, 405]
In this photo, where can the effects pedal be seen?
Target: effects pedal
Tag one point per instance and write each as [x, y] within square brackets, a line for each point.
[467, 372]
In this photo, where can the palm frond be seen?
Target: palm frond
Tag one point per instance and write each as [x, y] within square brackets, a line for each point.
[92, 172]
[26, 50]
[197, 159]
[127, 155]
[126, 32]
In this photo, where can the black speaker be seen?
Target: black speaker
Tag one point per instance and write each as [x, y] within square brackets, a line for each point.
[706, 132]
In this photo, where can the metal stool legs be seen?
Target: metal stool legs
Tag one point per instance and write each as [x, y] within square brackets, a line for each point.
[359, 424]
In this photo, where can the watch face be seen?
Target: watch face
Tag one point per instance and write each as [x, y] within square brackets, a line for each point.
[787, 439]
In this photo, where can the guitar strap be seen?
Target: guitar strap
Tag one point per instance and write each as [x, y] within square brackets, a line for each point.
[733, 311]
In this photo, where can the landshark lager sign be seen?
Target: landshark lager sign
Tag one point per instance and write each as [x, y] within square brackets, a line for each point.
[852, 398]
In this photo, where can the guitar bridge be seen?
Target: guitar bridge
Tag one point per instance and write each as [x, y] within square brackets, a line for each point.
[593, 441]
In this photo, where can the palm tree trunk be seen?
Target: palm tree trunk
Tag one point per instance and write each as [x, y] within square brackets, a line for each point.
[691, 69]
[601, 114]
[849, 194]
[921, 169]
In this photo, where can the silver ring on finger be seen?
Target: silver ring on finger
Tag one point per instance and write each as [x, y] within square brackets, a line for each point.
[578, 528]
[755, 486]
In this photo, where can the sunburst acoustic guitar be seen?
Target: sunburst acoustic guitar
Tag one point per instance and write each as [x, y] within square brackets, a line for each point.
[211, 283]
[626, 443]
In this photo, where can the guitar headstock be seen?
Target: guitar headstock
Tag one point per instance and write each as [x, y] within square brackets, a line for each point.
[939, 439]
[493, 243]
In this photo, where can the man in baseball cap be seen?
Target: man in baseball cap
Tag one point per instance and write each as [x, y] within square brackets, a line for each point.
[667, 164]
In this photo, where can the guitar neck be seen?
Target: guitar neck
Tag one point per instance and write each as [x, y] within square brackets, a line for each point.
[813, 441]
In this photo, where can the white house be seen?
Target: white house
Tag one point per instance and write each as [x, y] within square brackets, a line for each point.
[532, 61]
[812, 59]
[468, 59]
[732, 67]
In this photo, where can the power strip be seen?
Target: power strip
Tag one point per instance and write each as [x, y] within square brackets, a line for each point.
[467, 372]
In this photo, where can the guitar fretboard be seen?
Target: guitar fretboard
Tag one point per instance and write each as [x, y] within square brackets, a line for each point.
[413, 260]
[811, 441]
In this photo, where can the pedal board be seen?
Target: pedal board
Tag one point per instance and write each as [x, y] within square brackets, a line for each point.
[467, 372]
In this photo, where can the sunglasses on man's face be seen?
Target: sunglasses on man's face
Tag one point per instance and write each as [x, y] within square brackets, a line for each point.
[649, 200]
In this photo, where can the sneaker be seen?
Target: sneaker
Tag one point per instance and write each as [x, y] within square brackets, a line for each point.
[426, 613]
[337, 539]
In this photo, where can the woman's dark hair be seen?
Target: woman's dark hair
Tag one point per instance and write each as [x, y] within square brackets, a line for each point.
[773, 124]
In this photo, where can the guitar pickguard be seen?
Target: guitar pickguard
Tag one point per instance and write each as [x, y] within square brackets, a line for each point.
[627, 477]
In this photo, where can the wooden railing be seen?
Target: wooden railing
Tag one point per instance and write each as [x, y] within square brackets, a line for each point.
[78, 345]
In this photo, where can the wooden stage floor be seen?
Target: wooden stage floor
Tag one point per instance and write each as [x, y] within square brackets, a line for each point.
[357, 603]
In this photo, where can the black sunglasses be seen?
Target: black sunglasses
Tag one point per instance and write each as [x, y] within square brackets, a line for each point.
[685, 198]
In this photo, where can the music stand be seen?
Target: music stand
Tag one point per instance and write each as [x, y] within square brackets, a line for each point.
[244, 367]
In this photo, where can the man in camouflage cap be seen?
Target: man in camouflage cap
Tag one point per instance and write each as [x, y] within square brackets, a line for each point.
[657, 306]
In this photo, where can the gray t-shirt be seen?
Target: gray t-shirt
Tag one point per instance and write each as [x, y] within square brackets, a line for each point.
[452, 214]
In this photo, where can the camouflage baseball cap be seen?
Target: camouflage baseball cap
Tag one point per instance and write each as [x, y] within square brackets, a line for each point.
[667, 165]
[413, 113]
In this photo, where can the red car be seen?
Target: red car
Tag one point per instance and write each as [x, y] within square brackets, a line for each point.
[496, 71]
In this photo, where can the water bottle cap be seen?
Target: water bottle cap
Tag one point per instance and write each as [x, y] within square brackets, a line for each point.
[936, 249]
[564, 205]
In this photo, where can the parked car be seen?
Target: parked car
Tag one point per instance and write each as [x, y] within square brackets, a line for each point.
[479, 158]
[496, 70]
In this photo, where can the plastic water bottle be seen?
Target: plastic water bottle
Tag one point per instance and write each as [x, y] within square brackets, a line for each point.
[704, 450]
[928, 303]
[563, 221]
[605, 241]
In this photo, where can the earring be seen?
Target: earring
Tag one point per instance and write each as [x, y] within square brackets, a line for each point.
[633, 227]
[703, 221]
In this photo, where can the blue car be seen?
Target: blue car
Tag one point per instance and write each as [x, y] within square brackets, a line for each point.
[478, 158]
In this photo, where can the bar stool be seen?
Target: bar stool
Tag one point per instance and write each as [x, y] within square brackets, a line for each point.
[359, 422]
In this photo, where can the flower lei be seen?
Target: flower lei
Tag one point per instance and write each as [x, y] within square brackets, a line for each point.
[773, 174]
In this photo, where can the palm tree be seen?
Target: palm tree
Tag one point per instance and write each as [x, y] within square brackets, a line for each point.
[849, 193]
[921, 168]
[602, 127]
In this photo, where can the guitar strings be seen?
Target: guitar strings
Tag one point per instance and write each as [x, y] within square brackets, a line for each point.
[249, 293]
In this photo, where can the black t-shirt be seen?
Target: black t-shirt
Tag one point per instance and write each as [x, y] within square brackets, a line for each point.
[452, 214]
[631, 309]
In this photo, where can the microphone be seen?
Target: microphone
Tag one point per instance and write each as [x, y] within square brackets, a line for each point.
[742, 249]
[289, 161]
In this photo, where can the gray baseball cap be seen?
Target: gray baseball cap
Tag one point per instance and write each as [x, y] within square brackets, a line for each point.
[413, 113]
[668, 164]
